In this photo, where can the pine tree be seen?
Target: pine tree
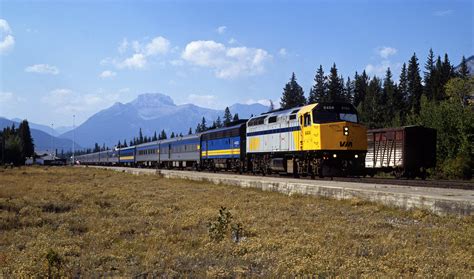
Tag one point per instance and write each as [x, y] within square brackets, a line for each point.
[96, 147]
[271, 107]
[227, 116]
[349, 90]
[389, 99]
[190, 132]
[28, 148]
[219, 122]
[318, 92]
[415, 88]
[463, 69]
[140, 136]
[131, 143]
[119, 144]
[293, 94]
[163, 135]
[334, 86]
[429, 75]
[124, 143]
[172, 135]
[236, 117]
[203, 125]
[361, 84]
[370, 112]
[155, 138]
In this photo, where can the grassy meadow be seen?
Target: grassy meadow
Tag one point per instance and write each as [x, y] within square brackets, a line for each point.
[66, 222]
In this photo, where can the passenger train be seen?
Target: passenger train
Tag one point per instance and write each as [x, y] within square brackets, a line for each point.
[322, 139]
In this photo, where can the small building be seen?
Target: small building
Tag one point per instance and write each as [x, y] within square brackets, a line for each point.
[50, 160]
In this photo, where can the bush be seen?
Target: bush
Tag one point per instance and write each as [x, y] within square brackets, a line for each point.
[219, 227]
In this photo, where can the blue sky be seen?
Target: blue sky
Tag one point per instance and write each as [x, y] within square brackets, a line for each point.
[59, 58]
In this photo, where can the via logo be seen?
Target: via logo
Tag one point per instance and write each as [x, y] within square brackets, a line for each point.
[345, 143]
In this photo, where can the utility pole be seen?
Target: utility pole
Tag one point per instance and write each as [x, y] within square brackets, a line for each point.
[52, 145]
[73, 138]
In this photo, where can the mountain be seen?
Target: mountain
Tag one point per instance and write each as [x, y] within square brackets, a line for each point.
[470, 65]
[41, 139]
[47, 129]
[151, 112]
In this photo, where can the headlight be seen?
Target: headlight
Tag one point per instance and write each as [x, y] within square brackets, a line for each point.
[356, 156]
[334, 155]
[346, 131]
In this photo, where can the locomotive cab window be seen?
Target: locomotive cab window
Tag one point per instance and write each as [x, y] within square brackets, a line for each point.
[325, 113]
[307, 119]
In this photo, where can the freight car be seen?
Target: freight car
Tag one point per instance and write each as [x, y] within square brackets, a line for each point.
[323, 139]
[406, 152]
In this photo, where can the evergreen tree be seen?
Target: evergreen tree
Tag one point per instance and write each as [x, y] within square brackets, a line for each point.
[415, 88]
[219, 122]
[349, 90]
[370, 112]
[361, 84]
[335, 86]
[131, 143]
[181, 135]
[272, 106]
[227, 116]
[124, 143]
[403, 94]
[172, 135]
[389, 100]
[163, 134]
[463, 69]
[318, 92]
[28, 148]
[96, 147]
[236, 117]
[119, 144]
[203, 125]
[190, 132]
[155, 138]
[293, 94]
[429, 75]
[140, 136]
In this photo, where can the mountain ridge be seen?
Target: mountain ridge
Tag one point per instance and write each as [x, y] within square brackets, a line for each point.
[151, 112]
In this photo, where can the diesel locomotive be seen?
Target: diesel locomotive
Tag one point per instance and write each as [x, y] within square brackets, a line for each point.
[321, 139]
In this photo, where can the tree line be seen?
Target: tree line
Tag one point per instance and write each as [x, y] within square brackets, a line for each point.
[16, 144]
[437, 97]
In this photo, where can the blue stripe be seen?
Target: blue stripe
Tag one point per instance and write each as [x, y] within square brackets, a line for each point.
[274, 131]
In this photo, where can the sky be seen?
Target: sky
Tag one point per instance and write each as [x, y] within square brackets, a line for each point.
[65, 58]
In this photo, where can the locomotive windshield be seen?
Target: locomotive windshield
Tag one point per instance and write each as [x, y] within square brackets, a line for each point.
[334, 112]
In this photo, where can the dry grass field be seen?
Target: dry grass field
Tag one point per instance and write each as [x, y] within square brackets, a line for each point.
[90, 222]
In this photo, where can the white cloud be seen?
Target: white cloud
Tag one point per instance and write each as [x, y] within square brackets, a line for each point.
[64, 101]
[221, 29]
[385, 52]
[123, 46]
[232, 41]
[7, 41]
[42, 69]
[282, 52]
[207, 101]
[141, 52]
[380, 69]
[227, 62]
[177, 62]
[158, 45]
[443, 13]
[136, 61]
[107, 74]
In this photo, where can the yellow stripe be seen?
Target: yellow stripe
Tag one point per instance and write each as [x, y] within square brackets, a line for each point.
[234, 151]
[126, 158]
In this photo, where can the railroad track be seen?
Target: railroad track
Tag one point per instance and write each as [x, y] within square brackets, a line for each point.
[447, 184]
